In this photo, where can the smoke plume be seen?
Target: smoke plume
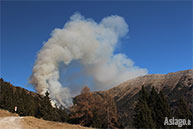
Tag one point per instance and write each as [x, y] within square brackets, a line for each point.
[92, 45]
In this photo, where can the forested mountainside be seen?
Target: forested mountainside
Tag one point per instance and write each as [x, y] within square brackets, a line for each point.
[29, 103]
[152, 97]
[174, 85]
[89, 109]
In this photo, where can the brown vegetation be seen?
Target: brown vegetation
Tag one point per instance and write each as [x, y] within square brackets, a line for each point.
[34, 123]
[5, 113]
[95, 110]
[29, 122]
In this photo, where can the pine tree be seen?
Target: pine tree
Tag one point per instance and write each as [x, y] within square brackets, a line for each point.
[143, 114]
[63, 114]
[183, 112]
[162, 109]
[152, 103]
[46, 108]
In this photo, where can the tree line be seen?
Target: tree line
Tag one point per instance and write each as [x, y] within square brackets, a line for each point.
[29, 104]
[151, 110]
[95, 109]
[89, 109]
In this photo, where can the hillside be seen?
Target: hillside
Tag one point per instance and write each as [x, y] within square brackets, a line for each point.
[10, 120]
[33, 104]
[174, 85]
[113, 108]
[29, 103]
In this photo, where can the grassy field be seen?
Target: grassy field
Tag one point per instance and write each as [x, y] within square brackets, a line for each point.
[11, 120]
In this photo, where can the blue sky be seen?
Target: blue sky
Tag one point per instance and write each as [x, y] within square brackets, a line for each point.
[159, 39]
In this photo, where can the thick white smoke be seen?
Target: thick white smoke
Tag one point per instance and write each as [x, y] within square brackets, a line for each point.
[92, 44]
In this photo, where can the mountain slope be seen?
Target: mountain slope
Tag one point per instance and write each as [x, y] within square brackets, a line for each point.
[174, 85]
[29, 103]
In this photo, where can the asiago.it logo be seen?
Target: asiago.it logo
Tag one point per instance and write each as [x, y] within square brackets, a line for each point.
[178, 122]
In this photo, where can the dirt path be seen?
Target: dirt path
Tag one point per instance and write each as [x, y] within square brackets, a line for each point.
[11, 122]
